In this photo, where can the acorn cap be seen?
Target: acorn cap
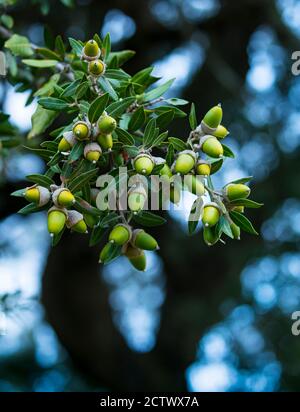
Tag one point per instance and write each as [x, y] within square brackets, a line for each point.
[44, 195]
[70, 138]
[73, 218]
[91, 147]
[56, 194]
[58, 209]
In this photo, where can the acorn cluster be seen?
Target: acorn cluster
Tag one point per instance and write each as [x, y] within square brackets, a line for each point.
[116, 122]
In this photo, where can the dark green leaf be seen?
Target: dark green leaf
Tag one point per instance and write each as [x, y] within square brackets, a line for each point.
[19, 46]
[223, 226]
[247, 203]
[97, 234]
[195, 215]
[41, 180]
[53, 103]
[18, 193]
[243, 222]
[106, 46]
[40, 63]
[148, 219]
[215, 166]
[159, 139]
[79, 181]
[242, 180]
[107, 87]
[124, 137]
[55, 159]
[76, 46]
[56, 238]
[121, 56]
[178, 144]
[227, 152]
[158, 91]
[137, 120]
[164, 119]
[149, 134]
[131, 150]
[97, 107]
[31, 208]
[69, 91]
[77, 151]
[177, 102]
[193, 118]
[116, 109]
[59, 46]
[170, 155]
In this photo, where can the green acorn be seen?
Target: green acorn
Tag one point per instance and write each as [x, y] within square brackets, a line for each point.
[92, 152]
[203, 168]
[67, 142]
[143, 163]
[105, 141]
[185, 162]
[136, 198]
[56, 220]
[120, 234]
[62, 197]
[209, 235]
[106, 124]
[235, 191]
[236, 231]
[96, 68]
[38, 195]
[143, 240]
[212, 119]
[194, 184]
[81, 130]
[76, 222]
[136, 257]
[221, 132]
[210, 215]
[91, 50]
[211, 146]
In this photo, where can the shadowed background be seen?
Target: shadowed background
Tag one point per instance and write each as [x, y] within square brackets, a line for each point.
[199, 318]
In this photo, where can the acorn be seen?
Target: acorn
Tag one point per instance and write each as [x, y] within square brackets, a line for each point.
[67, 142]
[91, 50]
[143, 163]
[203, 168]
[221, 132]
[96, 68]
[136, 257]
[136, 198]
[235, 191]
[211, 146]
[194, 184]
[105, 141]
[239, 209]
[63, 197]
[209, 235]
[37, 194]
[211, 214]
[81, 130]
[212, 119]
[236, 231]
[92, 152]
[106, 124]
[143, 240]
[76, 222]
[185, 162]
[56, 220]
[120, 234]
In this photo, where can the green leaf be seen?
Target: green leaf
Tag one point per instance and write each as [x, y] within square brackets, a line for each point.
[158, 91]
[60, 46]
[97, 107]
[124, 137]
[82, 89]
[97, 234]
[242, 180]
[149, 134]
[106, 46]
[137, 119]
[19, 46]
[54, 159]
[56, 238]
[47, 53]
[164, 119]
[48, 88]
[76, 46]
[243, 222]
[116, 109]
[215, 166]
[131, 150]
[31, 208]
[116, 74]
[247, 203]
[79, 181]
[41, 180]
[40, 121]
[177, 102]
[195, 215]
[193, 118]
[170, 155]
[7, 20]
[107, 87]
[70, 89]
[177, 112]
[121, 56]
[40, 63]
[110, 219]
[77, 151]
[45, 154]
[178, 144]
[18, 193]
[159, 139]
[53, 103]
[228, 152]
[223, 226]
[148, 219]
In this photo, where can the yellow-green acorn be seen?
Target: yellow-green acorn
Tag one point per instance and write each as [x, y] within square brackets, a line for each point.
[136, 257]
[106, 124]
[91, 50]
[211, 146]
[63, 197]
[105, 252]
[221, 132]
[67, 142]
[76, 222]
[212, 119]
[136, 198]
[105, 141]
[194, 184]
[235, 191]
[120, 234]
[92, 152]
[143, 163]
[211, 214]
[56, 220]
[96, 67]
[185, 162]
[209, 235]
[38, 194]
[143, 240]
[236, 231]
[203, 168]
[81, 130]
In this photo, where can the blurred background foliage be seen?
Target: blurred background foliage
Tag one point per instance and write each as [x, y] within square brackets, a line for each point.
[199, 318]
